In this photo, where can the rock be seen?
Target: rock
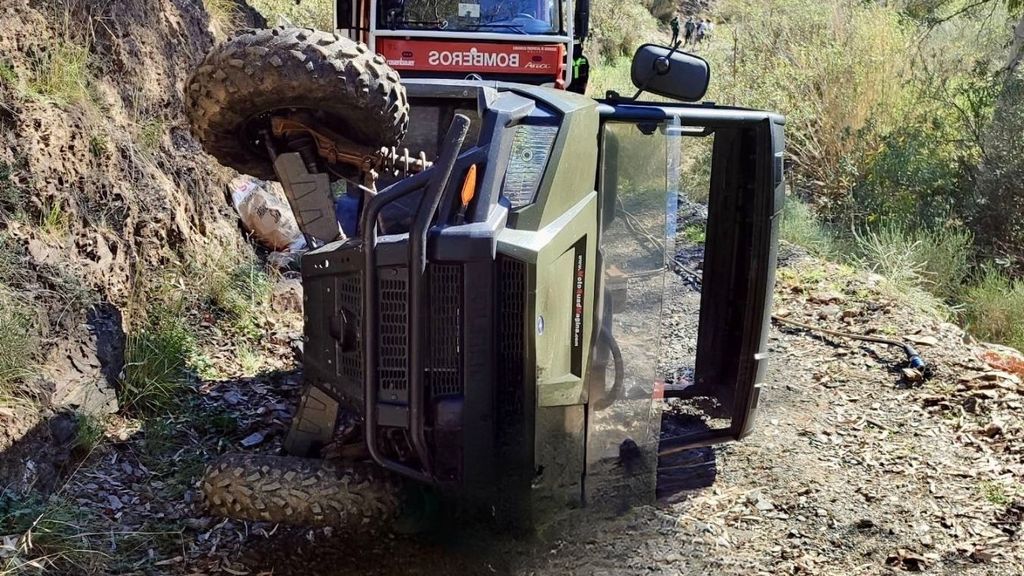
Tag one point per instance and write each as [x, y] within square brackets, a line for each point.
[827, 298]
[198, 524]
[63, 428]
[981, 555]
[287, 295]
[43, 254]
[912, 375]
[992, 430]
[923, 340]
[253, 439]
[760, 501]
[864, 524]
[907, 560]
[82, 370]
[830, 311]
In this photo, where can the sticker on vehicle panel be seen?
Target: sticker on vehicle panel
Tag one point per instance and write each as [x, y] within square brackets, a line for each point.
[467, 10]
[578, 295]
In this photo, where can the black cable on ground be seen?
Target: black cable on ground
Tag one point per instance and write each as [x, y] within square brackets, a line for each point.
[913, 357]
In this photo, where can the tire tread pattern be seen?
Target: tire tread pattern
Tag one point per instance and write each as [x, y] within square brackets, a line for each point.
[257, 71]
[299, 491]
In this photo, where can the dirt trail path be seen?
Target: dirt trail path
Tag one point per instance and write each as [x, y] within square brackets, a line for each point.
[851, 470]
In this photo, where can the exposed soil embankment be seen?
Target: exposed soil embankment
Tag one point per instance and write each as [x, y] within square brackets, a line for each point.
[101, 188]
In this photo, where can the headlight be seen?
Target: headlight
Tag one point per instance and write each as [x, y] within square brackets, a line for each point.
[531, 147]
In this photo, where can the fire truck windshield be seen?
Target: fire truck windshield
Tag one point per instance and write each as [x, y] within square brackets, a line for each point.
[495, 16]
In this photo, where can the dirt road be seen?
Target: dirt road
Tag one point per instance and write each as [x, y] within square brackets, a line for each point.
[852, 469]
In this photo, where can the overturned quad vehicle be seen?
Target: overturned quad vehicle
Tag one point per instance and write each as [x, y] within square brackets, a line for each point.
[505, 282]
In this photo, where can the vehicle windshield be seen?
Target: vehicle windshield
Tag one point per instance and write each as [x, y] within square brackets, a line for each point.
[496, 16]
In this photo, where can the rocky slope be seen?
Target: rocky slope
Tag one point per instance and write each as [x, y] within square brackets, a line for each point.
[101, 188]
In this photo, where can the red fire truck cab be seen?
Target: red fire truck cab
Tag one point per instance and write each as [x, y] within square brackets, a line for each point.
[528, 41]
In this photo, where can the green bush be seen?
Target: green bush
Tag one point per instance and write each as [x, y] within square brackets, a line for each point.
[235, 290]
[994, 308]
[882, 119]
[915, 177]
[801, 227]
[934, 260]
[997, 214]
[617, 28]
[156, 361]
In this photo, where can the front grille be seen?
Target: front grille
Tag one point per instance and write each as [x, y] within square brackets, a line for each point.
[350, 299]
[444, 370]
[511, 365]
[393, 288]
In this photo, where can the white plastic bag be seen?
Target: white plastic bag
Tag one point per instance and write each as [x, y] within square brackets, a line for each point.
[265, 213]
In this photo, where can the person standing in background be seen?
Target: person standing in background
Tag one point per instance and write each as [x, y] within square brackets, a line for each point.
[675, 30]
[702, 29]
[688, 29]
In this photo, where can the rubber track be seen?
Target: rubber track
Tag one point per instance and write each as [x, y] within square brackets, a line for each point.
[299, 491]
[258, 71]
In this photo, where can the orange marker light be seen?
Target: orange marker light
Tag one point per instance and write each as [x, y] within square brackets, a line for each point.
[469, 187]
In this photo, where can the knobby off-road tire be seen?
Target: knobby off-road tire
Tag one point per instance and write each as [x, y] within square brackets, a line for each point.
[259, 71]
[299, 491]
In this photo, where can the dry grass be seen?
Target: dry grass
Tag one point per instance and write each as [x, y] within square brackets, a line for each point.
[617, 28]
[49, 536]
[150, 133]
[993, 308]
[831, 68]
[235, 289]
[801, 227]
[224, 16]
[19, 339]
[317, 14]
[62, 75]
[55, 221]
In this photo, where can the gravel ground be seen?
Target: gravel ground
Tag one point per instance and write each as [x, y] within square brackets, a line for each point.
[855, 467]
[852, 469]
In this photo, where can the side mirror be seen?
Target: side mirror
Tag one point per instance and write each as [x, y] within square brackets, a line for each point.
[671, 73]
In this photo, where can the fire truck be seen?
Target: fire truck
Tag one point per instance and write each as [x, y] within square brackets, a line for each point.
[536, 42]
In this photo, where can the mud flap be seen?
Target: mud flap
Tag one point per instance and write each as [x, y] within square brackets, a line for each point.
[313, 424]
[309, 195]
